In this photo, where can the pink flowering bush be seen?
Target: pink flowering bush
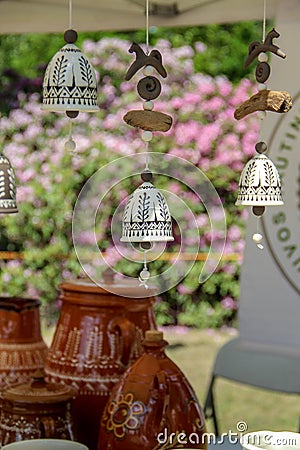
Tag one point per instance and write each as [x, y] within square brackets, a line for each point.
[49, 178]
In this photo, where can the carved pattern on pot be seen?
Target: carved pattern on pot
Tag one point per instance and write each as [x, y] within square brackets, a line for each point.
[19, 361]
[90, 356]
[23, 356]
[18, 428]
[123, 414]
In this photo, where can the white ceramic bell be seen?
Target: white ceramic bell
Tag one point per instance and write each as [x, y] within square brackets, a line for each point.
[7, 187]
[70, 82]
[146, 216]
[259, 183]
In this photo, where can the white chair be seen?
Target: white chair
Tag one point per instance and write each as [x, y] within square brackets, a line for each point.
[254, 364]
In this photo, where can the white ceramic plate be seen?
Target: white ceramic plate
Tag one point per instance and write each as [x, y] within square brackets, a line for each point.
[45, 444]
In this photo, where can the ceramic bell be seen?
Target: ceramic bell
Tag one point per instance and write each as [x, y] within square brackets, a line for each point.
[7, 187]
[259, 183]
[70, 82]
[146, 216]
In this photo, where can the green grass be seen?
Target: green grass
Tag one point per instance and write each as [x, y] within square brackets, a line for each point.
[194, 352]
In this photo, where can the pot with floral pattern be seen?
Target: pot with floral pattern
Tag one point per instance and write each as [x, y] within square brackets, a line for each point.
[22, 349]
[153, 406]
[98, 335]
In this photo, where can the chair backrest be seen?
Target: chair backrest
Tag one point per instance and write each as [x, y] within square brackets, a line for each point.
[259, 366]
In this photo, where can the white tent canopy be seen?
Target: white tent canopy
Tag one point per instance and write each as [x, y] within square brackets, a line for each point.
[21, 16]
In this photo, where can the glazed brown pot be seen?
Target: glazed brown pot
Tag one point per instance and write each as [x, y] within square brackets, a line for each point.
[22, 349]
[153, 406]
[98, 335]
[36, 410]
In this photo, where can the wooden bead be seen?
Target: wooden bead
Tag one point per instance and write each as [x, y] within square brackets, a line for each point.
[258, 210]
[70, 36]
[147, 136]
[257, 238]
[70, 145]
[148, 105]
[148, 71]
[146, 175]
[261, 147]
[262, 86]
[263, 57]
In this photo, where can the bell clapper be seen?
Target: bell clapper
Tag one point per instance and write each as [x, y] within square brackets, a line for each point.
[70, 144]
[145, 274]
[257, 237]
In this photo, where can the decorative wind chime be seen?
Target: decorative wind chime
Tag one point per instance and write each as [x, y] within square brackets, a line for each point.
[70, 83]
[8, 204]
[259, 184]
[146, 217]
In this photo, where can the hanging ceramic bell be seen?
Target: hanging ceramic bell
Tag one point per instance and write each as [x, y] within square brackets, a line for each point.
[7, 187]
[146, 216]
[259, 183]
[70, 83]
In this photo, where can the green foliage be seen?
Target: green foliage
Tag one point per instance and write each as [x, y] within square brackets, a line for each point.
[227, 47]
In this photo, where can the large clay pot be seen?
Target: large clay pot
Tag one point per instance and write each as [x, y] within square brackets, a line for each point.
[22, 349]
[97, 336]
[153, 406]
[35, 410]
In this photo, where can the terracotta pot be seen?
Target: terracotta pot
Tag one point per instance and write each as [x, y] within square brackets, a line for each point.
[151, 405]
[97, 336]
[22, 349]
[36, 410]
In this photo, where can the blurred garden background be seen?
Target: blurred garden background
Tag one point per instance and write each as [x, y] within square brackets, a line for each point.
[206, 81]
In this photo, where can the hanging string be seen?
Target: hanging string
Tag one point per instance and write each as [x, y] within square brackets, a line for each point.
[264, 21]
[70, 130]
[263, 113]
[147, 27]
[147, 156]
[70, 145]
[257, 237]
[70, 14]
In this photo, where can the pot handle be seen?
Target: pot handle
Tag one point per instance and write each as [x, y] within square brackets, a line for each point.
[127, 331]
[161, 384]
[47, 427]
